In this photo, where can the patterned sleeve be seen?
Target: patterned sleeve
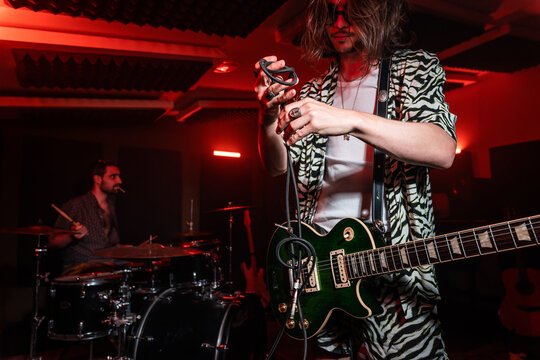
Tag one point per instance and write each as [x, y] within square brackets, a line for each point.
[425, 101]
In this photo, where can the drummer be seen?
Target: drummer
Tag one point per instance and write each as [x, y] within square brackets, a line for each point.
[94, 222]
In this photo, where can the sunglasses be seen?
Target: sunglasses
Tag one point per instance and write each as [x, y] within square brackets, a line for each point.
[334, 13]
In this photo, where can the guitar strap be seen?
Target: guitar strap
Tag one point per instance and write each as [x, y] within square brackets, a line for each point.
[378, 208]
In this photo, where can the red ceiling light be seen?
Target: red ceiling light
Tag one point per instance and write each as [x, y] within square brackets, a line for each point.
[226, 66]
[226, 154]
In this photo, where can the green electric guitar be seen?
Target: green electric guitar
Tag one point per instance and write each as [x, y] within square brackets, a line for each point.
[352, 251]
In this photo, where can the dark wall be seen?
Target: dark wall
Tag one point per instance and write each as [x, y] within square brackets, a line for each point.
[152, 204]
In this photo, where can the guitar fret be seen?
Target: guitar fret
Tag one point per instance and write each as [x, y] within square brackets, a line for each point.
[449, 248]
[512, 235]
[391, 249]
[384, 260]
[425, 260]
[372, 262]
[493, 239]
[506, 240]
[349, 267]
[522, 234]
[532, 229]
[432, 250]
[357, 265]
[462, 245]
[477, 243]
[484, 241]
[363, 264]
[403, 256]
[355, 256]
[416, 252]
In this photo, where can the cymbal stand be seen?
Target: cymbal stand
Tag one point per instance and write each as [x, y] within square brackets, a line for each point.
[122, 316]
[229, 247]
[36, 319]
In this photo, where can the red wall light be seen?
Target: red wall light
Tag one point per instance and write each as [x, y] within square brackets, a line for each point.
[226, 153]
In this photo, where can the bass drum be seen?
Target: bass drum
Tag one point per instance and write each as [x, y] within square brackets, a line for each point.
[181, 325]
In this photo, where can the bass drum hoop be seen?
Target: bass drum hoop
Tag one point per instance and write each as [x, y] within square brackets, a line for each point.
[141, 326]
[221, 347]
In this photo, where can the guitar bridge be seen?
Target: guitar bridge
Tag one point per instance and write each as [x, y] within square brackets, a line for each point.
[312, 282]
[337, 260]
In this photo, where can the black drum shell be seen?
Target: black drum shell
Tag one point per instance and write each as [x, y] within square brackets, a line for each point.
[181, 325]
[80, 306]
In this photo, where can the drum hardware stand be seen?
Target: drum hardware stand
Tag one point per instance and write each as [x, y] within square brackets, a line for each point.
[122, 317]
[229, 247]
[36, 319]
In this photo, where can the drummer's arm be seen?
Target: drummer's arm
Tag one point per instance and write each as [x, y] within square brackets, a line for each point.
[62, 240]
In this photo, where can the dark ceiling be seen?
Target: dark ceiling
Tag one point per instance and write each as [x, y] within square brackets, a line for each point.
[156, 58]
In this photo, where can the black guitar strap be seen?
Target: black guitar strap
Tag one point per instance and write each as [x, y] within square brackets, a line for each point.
[378, 208]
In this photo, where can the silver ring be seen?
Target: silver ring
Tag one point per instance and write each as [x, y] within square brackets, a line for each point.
[270, 94]
[295, 113]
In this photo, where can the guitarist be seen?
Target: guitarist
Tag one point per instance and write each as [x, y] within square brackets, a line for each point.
[330, 128]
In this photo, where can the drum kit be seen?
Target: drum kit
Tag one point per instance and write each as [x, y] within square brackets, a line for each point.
[167, 302]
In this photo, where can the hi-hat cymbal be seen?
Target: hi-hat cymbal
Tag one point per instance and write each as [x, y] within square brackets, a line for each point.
[231, 208]
[146, 251]
[36, 230]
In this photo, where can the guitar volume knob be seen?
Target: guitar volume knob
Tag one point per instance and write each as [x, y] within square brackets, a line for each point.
[348, 234]
[282, 307]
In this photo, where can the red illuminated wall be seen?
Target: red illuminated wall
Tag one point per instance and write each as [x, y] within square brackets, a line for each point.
[501, 109]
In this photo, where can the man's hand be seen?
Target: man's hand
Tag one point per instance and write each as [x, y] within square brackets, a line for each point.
[80, 230]
[271, 95]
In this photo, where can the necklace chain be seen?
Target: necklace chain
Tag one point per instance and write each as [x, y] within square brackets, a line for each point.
[347, 136]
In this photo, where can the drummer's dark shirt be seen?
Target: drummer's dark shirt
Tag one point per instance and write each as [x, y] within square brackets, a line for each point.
[86, 210]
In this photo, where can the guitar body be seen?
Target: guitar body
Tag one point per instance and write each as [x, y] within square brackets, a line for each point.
[351, 252]
[318, 302]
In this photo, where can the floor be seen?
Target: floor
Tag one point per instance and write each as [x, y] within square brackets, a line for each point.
[174, 323]
[459, 348]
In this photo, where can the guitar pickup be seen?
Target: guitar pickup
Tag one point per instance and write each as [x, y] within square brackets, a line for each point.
[337, 260]
[312, 282]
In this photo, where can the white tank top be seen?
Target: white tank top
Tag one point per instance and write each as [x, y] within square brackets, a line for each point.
[348, 175]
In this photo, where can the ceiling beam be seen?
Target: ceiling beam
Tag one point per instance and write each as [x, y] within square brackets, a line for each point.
[474, 42]
[450, 10]
[29, 37]
[83, 103]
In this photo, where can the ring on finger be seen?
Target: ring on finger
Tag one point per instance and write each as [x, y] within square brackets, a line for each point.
[295, 113]
[270, 94]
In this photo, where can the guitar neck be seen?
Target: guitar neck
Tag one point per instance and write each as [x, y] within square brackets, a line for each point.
[459, 245]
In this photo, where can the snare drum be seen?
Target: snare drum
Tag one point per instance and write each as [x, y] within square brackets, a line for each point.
[179, 324]
[80, 306]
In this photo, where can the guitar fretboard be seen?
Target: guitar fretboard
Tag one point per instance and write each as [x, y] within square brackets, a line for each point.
[454, 246]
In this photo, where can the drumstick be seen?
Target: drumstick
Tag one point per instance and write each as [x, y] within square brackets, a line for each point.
[66, 216]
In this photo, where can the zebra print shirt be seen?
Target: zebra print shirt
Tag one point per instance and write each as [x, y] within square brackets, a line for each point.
[416, 94]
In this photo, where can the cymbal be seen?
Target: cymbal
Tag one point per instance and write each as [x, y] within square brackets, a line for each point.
[194, 233]
[231, 208]
[146, 251]
[36, 230]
